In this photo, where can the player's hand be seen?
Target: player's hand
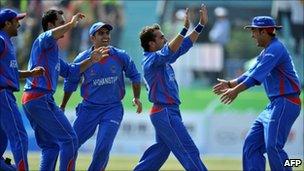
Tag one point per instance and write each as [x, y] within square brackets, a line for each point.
[37, 71]
[203, 14]
[220, 87]
[136, 102]
[186, 20]
[99, 53]
[229, 96]
[76, 18]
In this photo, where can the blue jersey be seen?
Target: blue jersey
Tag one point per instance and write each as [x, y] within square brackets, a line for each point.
[274, 68]
[159, 75]
[103, 82]
[9, 75]
[45, 53]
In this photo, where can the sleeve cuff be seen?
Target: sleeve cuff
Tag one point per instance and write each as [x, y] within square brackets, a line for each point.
[241, 79]
[250, 82]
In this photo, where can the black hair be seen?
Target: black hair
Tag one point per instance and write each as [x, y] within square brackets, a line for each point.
[50, 17]
[2, 25]
[147, 35]
[269, 33]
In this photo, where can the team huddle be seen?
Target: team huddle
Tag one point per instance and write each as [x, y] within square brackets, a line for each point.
[101, 70]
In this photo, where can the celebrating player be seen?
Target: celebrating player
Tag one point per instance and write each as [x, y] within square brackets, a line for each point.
[102, 90]
[52, 129]
[11, 126]
[274, 68]
[171, 134]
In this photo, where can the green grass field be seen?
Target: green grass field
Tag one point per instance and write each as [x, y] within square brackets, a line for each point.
[128, 162]
[194, 99]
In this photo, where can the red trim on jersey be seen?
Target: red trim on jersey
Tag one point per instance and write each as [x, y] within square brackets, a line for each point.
[168, 97]
[48, 79]
[281, 84]
[155, 109]
[153, 91]
[35, 79]
[292, 82]
[28, 96]
[295, 100]
[70, 165]
[21, 166]
[47, 73]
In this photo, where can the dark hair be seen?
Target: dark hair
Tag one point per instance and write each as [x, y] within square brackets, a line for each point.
[50, 17]
[147, 35]
[271, 34]
[2, 25]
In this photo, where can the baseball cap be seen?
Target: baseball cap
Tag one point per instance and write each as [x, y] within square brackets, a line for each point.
[97, 26]
[263, 22]
[8, 14]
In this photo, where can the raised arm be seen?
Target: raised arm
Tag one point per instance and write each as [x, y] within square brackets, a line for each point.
[58, 32]
[96, 56]
[202, 22]
[177, 41]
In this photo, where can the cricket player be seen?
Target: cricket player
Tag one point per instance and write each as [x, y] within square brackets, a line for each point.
[274, 68]
[52, 129]
[102, 90]
[171, 134]
[11, 125]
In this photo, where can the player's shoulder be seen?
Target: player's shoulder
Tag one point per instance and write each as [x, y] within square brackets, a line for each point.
[276, 44]
[82, 55]
[45, 34]
[117, 51]
[120, 53]
[46, 37]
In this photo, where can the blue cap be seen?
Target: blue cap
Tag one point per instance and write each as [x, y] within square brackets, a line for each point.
[263, 22]
[97, 26]
[8, 14]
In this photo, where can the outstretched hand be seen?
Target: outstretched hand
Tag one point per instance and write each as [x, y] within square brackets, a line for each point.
[229, 96]
[37, 71]
[220, 87]
[76, 18]
[203, 14]
[99, 53]
[186, 20]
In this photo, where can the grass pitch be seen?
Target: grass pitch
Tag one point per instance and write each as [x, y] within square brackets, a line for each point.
[193, 99]
[127, 162]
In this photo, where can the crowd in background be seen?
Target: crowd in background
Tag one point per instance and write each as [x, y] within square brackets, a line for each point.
[223, 29]
[109, 11]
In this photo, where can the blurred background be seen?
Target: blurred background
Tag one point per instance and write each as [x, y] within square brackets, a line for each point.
[223, 50]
